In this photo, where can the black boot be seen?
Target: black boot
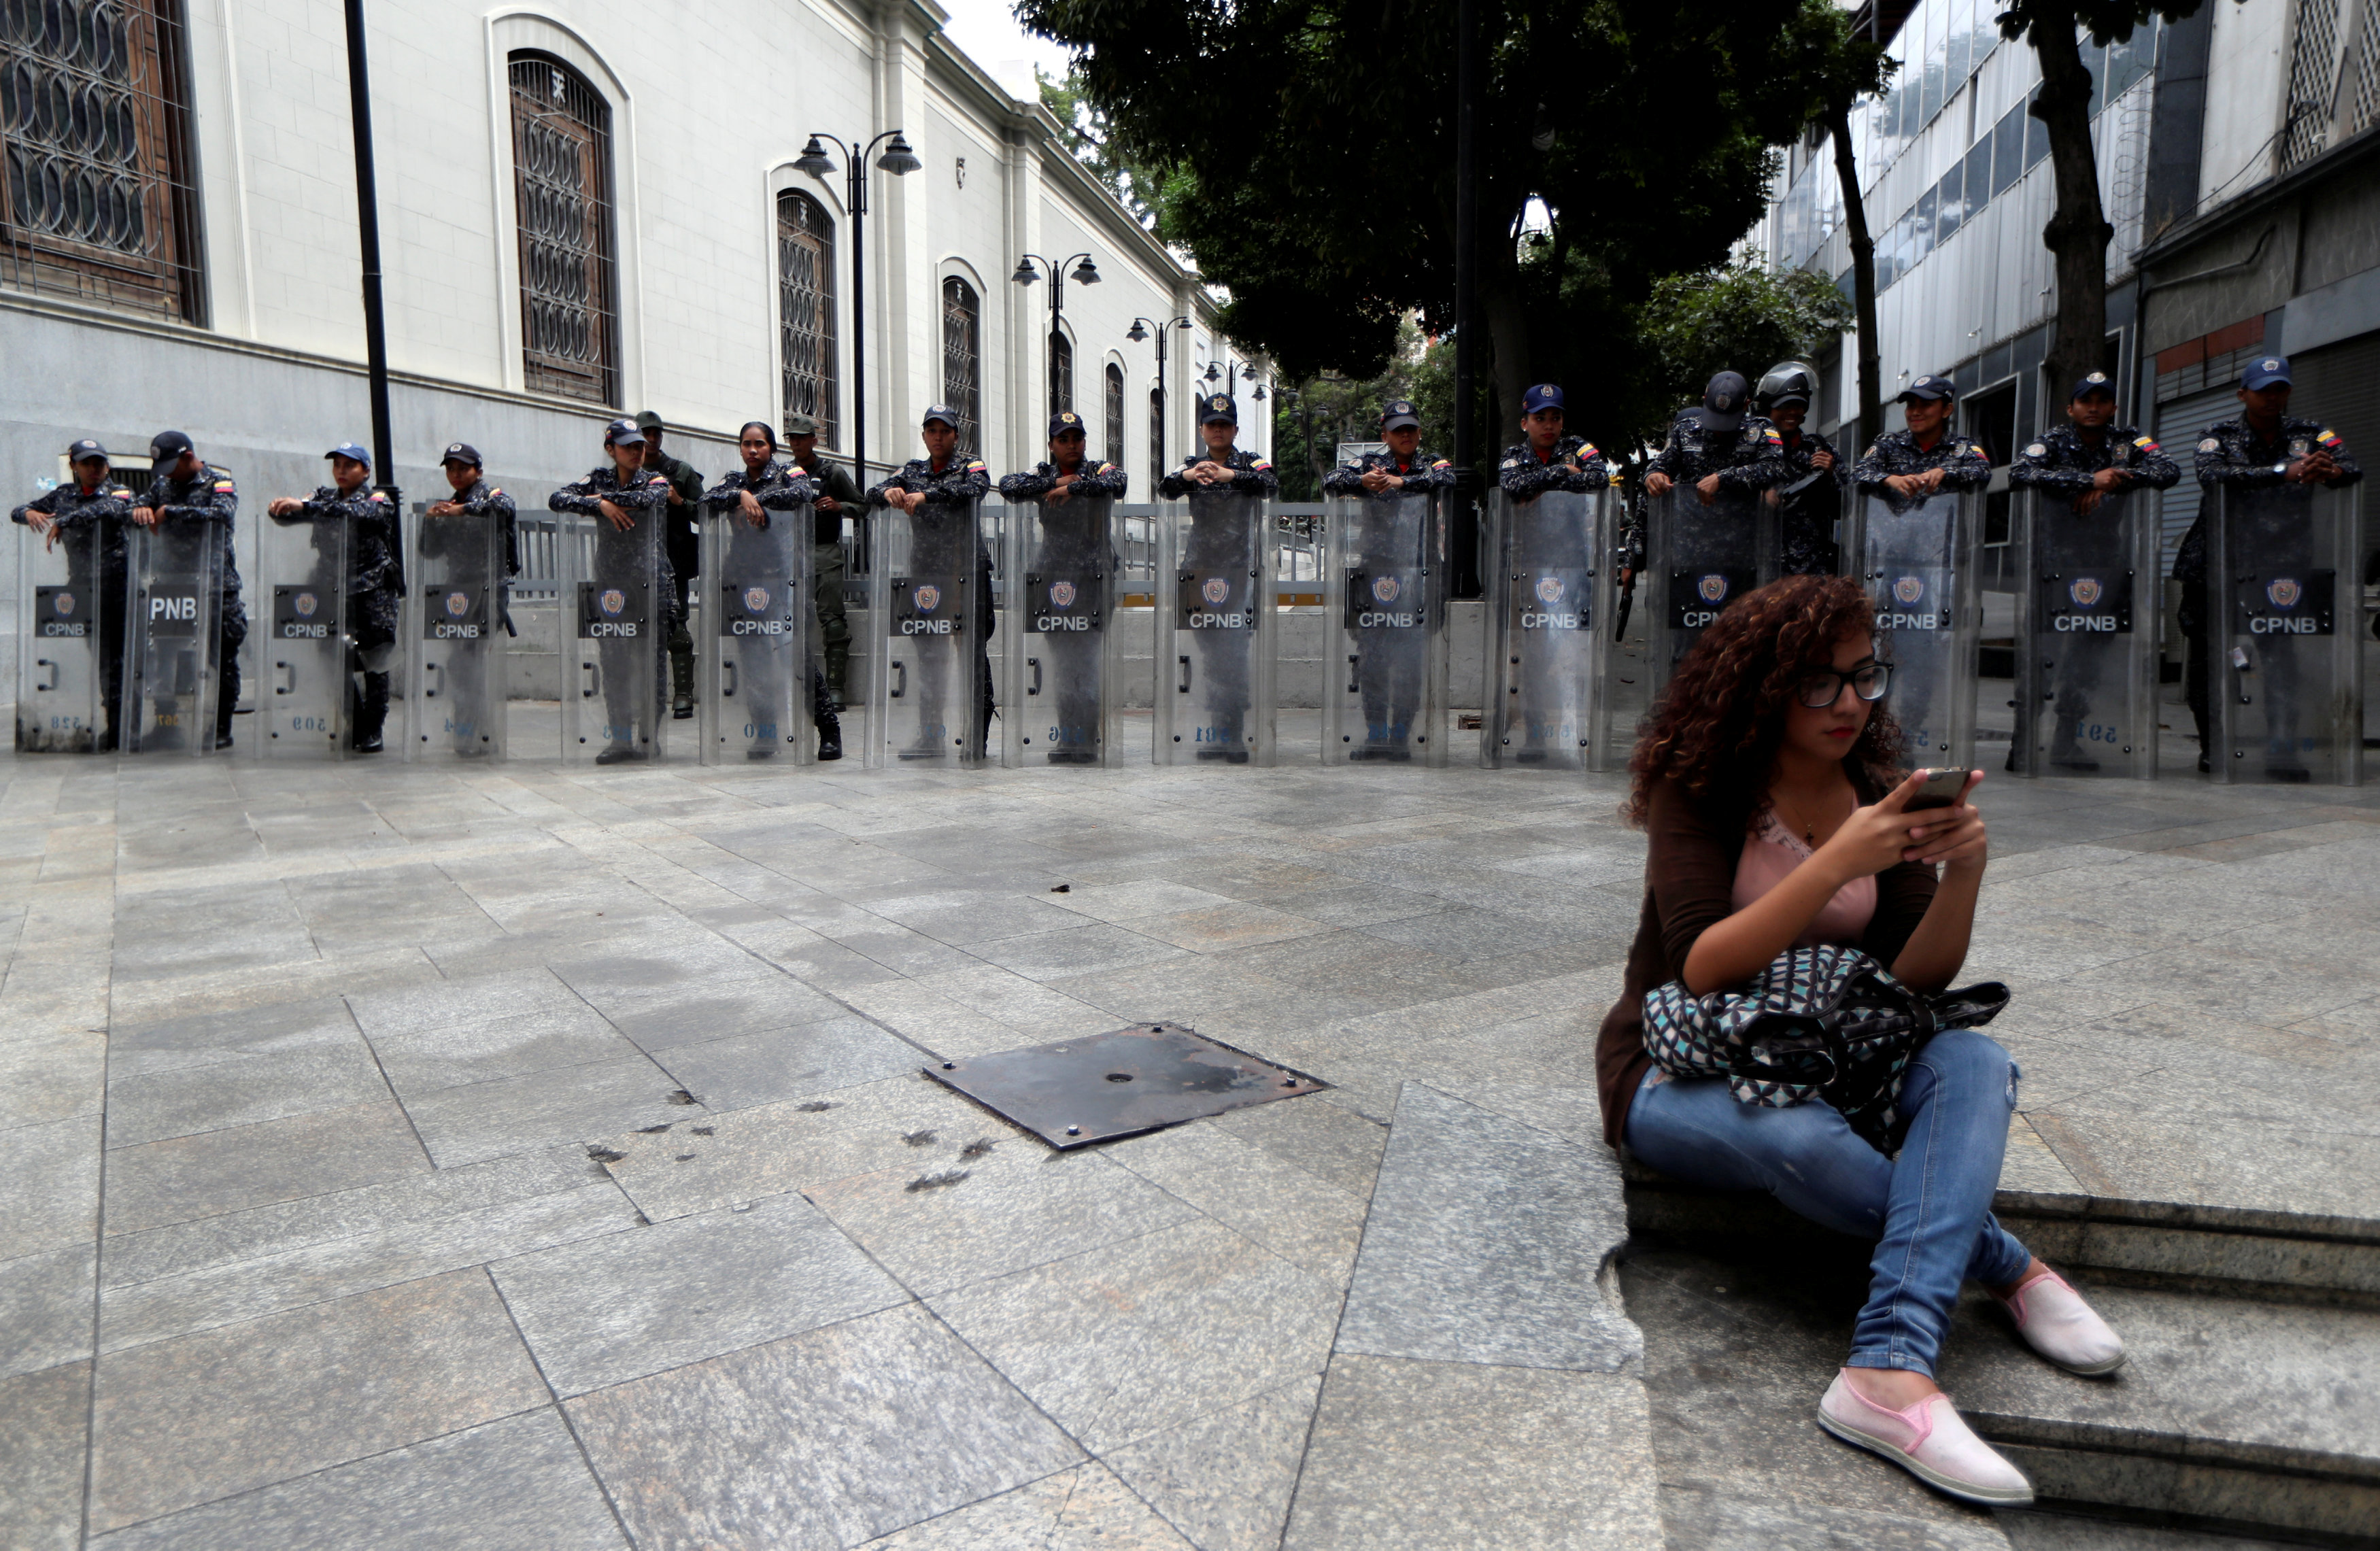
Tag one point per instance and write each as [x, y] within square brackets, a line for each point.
[371, 714]
[838, 673]
[830, 731]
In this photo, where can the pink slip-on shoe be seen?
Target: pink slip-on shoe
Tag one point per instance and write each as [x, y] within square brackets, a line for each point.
[1929, 1440]
[2056, 1323]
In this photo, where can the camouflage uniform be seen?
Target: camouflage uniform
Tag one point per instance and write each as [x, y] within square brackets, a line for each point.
[1747, 460]
[1252, 476]
[375, 581]
[678, 539]
[1074, 540]
[1964, 464]
[621, 561]
[211, 495]
[1524, 474]
[2064, 460]
[488, 504]
[779, 487]
[939, 532]
[90, 527]
[1421, 476]
[1812, 505]
[1390, 664]
[1217, 541]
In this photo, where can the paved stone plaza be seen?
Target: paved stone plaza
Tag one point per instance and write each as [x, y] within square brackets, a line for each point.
[540, 1160]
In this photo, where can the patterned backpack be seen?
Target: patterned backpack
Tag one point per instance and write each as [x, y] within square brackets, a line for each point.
[1826, 1023]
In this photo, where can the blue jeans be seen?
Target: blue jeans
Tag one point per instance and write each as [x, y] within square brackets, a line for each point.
[1929, 1209]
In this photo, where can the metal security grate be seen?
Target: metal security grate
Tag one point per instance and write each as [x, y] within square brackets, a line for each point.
[97, 197]
[2365, 105]
[1101, 1086]
[1062, 372]
[806, 310]
[1114, 423]
[1156, 436]
[963, 359]
[562, 165]
[2313, 57]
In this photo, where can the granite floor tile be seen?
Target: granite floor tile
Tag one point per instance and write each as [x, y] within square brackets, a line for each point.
[743, 1070]
[515, 1484]
[241, 1088]
[1148, 1333]
[421, 1061]
[1335, 1144]
[544, 1109]
[719, 1009]
[49, 1195]
[1722, 1520]
[53, 1077]
[239, 1167]
[1426, 1454]
[607, 1310]
[1256, 1194]
[1083, 951]
[825, 1440]
[46, 1301]
[1086, 1509]
[1225, 1479]
[185, 1421]
[42, 1449]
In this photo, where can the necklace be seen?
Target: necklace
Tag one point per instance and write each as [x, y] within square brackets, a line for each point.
[1809, 830]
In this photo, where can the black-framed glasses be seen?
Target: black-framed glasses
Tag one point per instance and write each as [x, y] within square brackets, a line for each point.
[1868, 680]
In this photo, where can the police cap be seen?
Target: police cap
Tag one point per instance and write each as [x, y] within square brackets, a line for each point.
[1723, 400]
[350, 450]
[623, 433]
[2093, 382]
[1217, 406]
[1065, 422]
[1545, 395]
[2266, 371]
[942, 412]
[86, 449]
[1397, 412]
[167, 445]
[1927, 387]
[463, 452]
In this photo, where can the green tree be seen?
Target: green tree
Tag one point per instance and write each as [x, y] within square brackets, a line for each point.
[1742, 317]
[1142, 186]
[1310, 149]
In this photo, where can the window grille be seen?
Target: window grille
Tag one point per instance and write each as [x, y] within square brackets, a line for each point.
[1156, 436]
[561, 171]
[1062, 372]
[1113, 424]
[806, 310]
[963, 359]
[97, 197]
[2365, 105]
[2313, 57]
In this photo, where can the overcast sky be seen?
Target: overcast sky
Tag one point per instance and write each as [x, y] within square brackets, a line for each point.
[987, 33]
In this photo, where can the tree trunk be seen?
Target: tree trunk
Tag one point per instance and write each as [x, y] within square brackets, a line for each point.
[1871, 371]
[2078, 232]
[1508, 336]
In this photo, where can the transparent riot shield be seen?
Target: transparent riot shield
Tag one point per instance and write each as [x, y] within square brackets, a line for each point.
[1063, 685]
[1216, 631]
[2086, 606]
[1384, 629]
[617, 647]
[1700, 556]
[1917, 558]
[930, 679]
[302, 679]
[2284, 568]
[172, 622]
[70, 660]
[456, 690]
[754, 661]
[1550, 593]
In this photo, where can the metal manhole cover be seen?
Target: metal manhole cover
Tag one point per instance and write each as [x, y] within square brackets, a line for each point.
[1106, 1085]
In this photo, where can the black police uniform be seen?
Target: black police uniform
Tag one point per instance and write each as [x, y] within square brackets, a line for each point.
[1747, 460]
[1964, 462]
[1812, 503]
[620, 562]
[940, 534]
[375, 591]
[1074, 541]
[1217, 541]
[2232, 454]
[1524, 474]
[1390, 660]
[88, 525]
[465, 671]
[211, 497]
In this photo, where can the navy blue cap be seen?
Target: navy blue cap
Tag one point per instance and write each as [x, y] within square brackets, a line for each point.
[1397, 412]
[1217, 406]
[623, 433]
[1928, 387]
[2265, 371]
[2093, 382]
[1067, 420]
[942, 412]
[1545, 395]
[1723, 400]
[167, 445]
[86, 448]
[461, 452]
[349, 450]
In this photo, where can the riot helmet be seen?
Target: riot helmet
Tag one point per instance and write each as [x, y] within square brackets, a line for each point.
[1787, 382]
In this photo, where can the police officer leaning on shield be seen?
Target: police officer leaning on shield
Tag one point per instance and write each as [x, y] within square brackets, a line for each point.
[1404, 467]
[375, 579]
[1907, 466]
[1718, 447]
[943, 487]
[1074, 536]
[625, 496]
[1545, 459]
[1223, 462]
[184, 488]
[760, 493]
[2263, 446]
[87, 515]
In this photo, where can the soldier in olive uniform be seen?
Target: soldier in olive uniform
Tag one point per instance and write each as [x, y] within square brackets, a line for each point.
[941, 492]
[186, 496]
[1074, 493]
[678, 517]
[629, 498]
[1217, 541]
[838, 497]
[86, 516]
[2265, 445]
[374, 583]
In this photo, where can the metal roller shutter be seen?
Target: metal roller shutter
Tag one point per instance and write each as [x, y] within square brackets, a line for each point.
[2339, 385]
[2180, 426]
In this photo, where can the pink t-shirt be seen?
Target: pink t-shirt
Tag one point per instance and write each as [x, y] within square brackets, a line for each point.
[1770, 853]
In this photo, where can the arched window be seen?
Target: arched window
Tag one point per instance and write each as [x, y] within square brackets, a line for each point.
[806, 310]
[95, 156]
[1062, 371]
[562, 187]
[1156, 435]
[1115, 422]
[963, 359]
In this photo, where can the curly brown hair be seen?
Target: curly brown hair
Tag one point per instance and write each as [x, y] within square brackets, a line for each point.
[1717, 728]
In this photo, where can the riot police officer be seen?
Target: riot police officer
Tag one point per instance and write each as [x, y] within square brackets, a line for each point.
[1403, 467]
[186, 492]
[461, 547]
[684, 503]
[1908, 464]
[1390, 662]
[375, 582]
[1217, 541]
[86, 515]
[1811, 495]
[1545, 459]
[628, 498]
[1718, 446]
[761, 493]
[940, 492]
[2263, 446]
[1074, 538]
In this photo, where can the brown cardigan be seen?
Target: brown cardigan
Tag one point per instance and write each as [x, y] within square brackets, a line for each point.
[1690, 886]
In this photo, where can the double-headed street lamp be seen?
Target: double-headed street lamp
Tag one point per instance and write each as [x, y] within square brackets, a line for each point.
[1084, 273]
[898, 160]
[1141, 329]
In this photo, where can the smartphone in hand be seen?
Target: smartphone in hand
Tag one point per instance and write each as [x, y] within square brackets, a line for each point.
[1936, 788]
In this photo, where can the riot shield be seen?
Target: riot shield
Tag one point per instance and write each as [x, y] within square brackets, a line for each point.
[1700, 556]
[755, 672]
[2284, 569]
[173, 620]
[302, 681]
[455, 695]
[616, 647]
[1063, 687]
[1550, 594]
[1384, 629]
[70, 660]
[2086, 675]
[1216, 631]
[930, 679]
[1917, 558]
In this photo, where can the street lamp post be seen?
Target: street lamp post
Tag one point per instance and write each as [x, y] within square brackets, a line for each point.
[368, 228]
[900, 161]
[1229, 367]
[1084, 273]
[1141, 329]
